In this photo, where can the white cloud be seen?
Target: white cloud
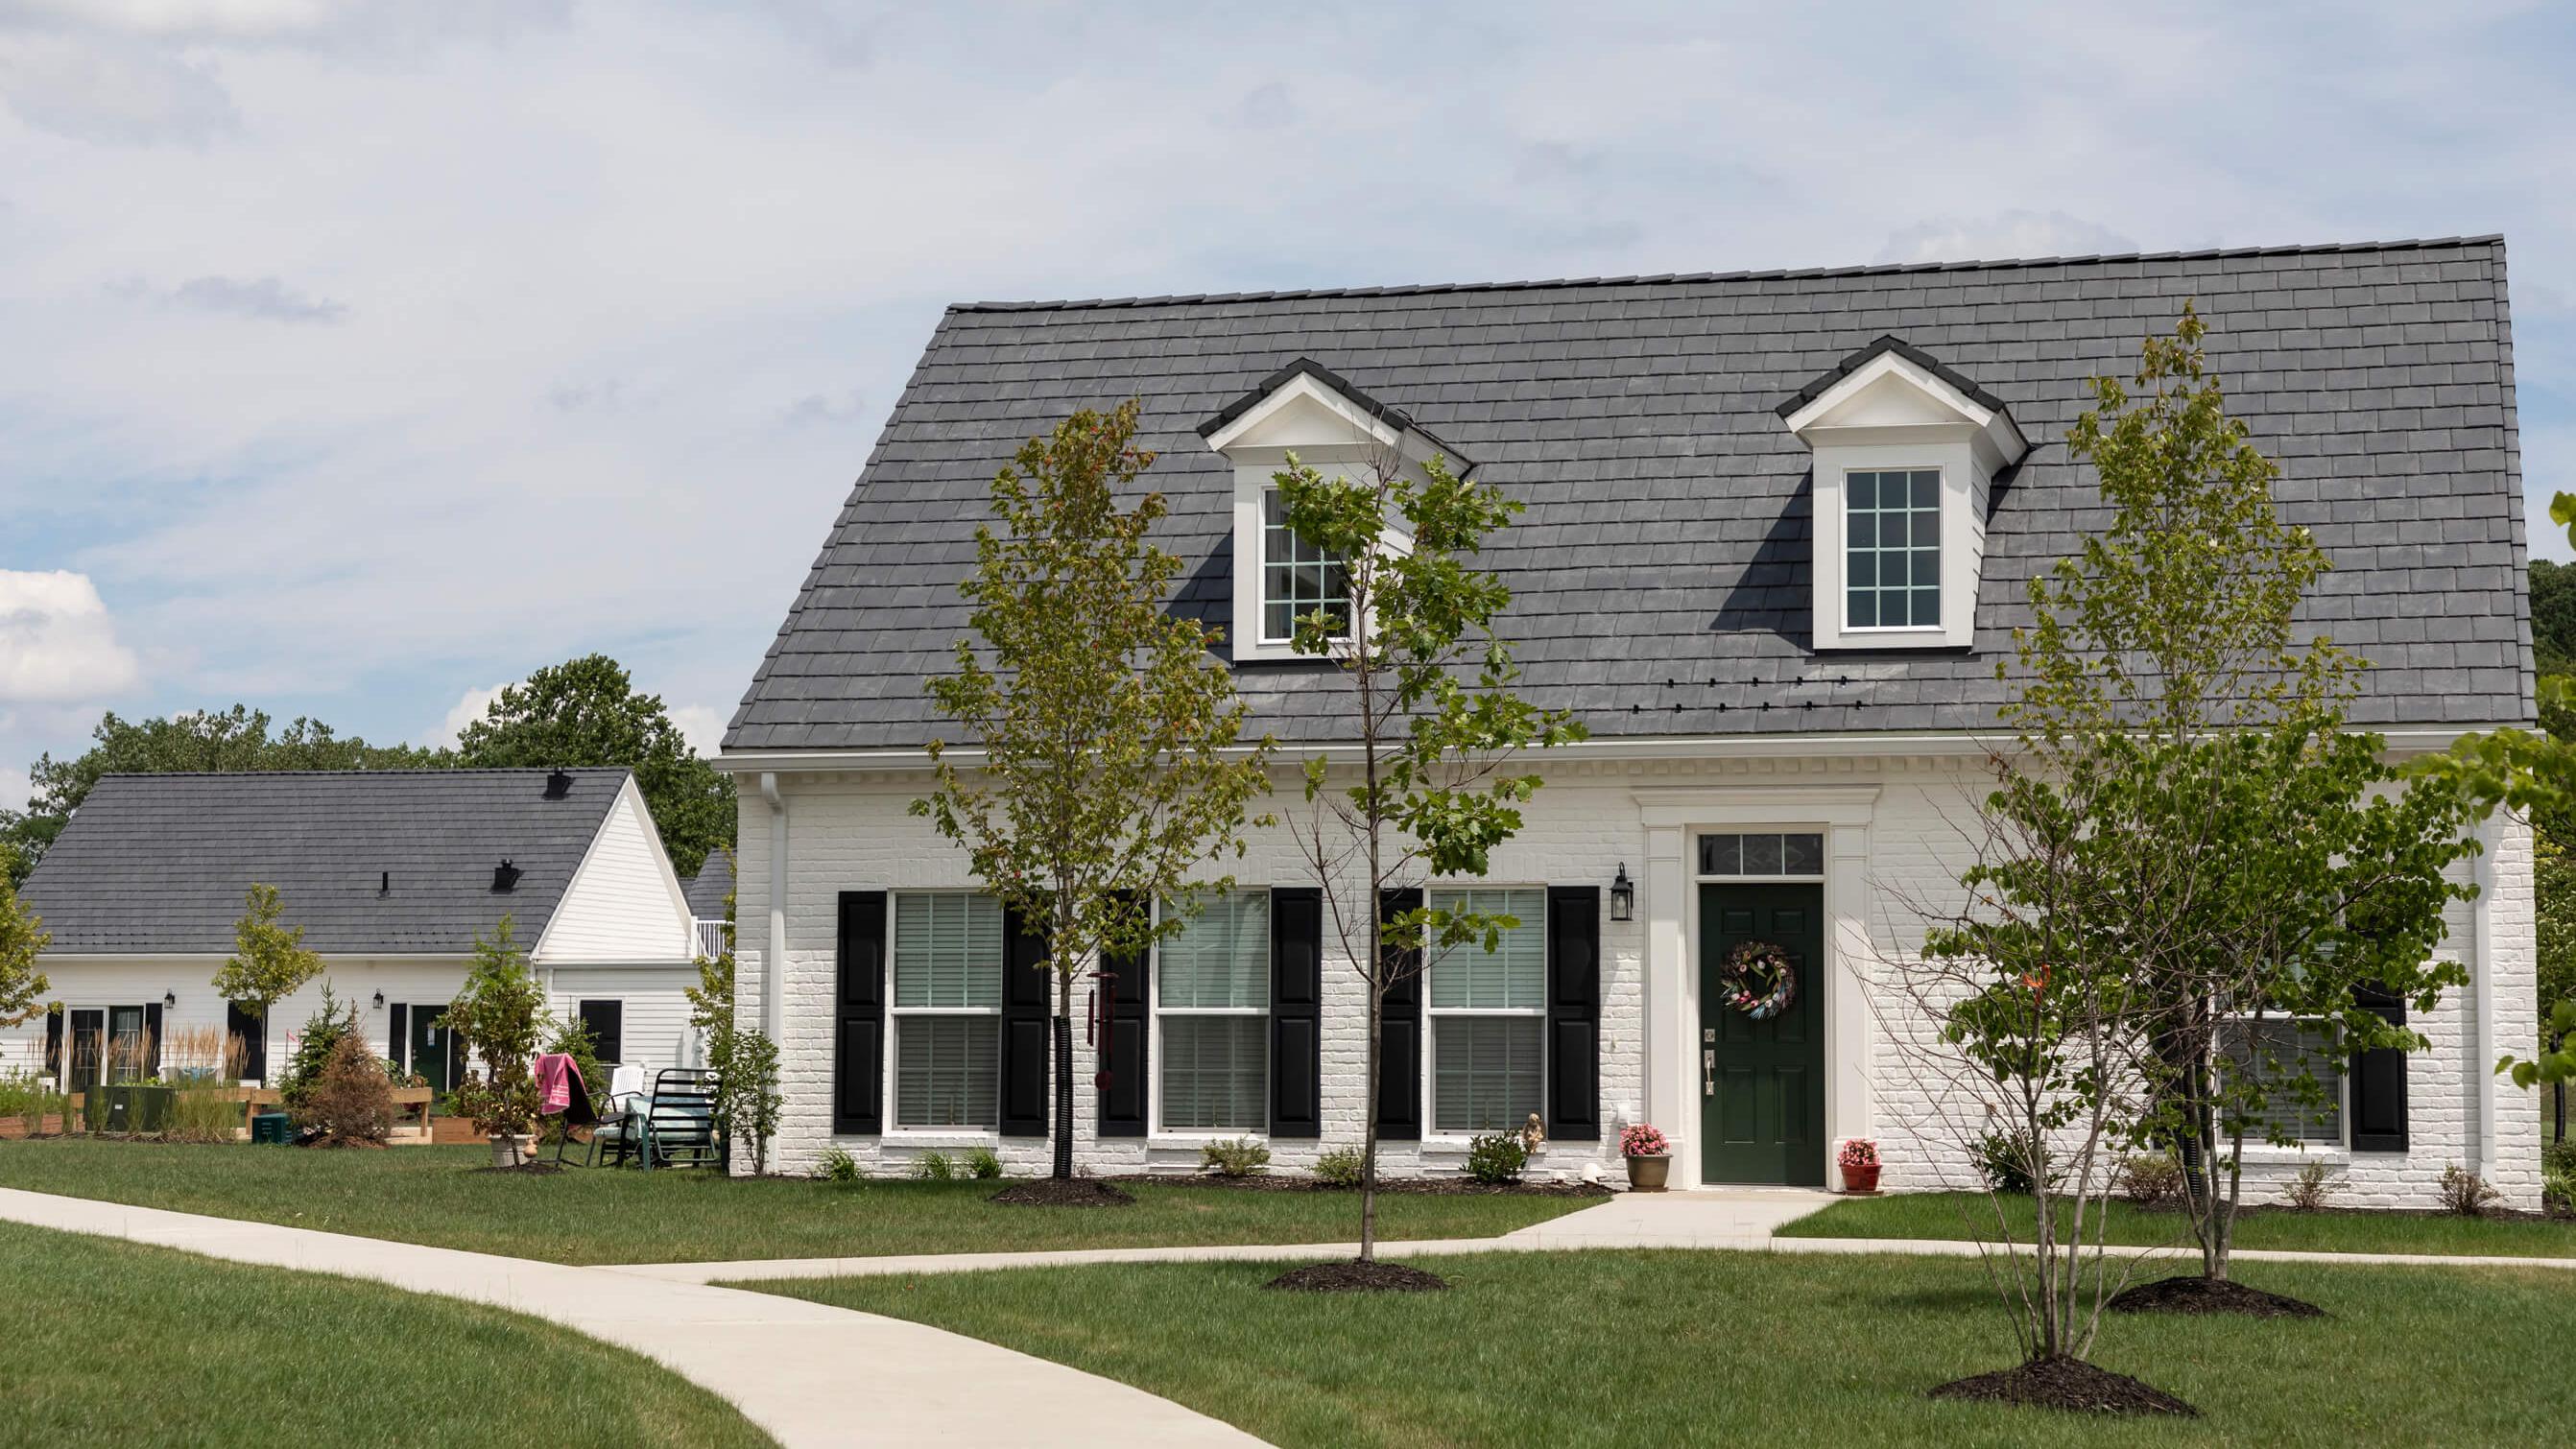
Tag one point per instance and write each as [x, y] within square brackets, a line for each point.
[469, 707]
[701, 725]
[15, 788]
[2001, 237]
[57, 643]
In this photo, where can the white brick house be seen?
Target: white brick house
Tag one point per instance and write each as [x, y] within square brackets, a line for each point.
[1789, 708]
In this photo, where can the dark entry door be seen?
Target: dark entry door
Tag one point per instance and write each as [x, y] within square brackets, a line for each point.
[88, 1064]
[1762, 1083]
[432, 1049]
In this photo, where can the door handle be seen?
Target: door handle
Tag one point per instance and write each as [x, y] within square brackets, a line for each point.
[1708, 1074]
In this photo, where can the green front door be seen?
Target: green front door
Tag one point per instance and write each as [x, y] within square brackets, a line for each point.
[433, 1047]
[1762, 1083]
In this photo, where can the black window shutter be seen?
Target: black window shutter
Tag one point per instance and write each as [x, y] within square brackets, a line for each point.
[152, 1038]
[1123, 1051]
[858, 1016]
[1574, 1013]
[2377, 1085]
[1296, 1012]
[398, 1038]
[1399, 1056]
[54, 1045]
[1026, 995]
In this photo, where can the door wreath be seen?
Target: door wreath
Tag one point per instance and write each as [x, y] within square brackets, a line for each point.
[1758, 980]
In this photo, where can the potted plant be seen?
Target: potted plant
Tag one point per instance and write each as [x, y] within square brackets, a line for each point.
[1650, 1157]
[1859, 1161]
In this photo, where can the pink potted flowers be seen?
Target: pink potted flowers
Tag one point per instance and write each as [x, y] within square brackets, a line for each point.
[1859, 1161]
[1650, 1157]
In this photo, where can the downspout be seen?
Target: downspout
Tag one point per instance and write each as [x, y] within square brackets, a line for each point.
[2482, 1042]
[773, 961]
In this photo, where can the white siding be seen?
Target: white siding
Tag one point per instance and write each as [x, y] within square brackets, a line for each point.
[624, 904]
[109, 981]
[656, 1015]
[851, 832]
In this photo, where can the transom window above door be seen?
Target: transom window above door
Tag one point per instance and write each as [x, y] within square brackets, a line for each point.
[1762, 854]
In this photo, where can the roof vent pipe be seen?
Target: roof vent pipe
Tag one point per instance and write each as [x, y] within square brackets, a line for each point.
[504, 876]
[385, 887]
[558, 784]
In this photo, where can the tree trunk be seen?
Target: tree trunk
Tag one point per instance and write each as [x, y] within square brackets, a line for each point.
[2558, 1096]
[1063, 1076]
[1368, 1139]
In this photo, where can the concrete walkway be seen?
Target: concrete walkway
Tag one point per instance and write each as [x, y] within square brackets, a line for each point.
[1743, 1220]
[807, 1373]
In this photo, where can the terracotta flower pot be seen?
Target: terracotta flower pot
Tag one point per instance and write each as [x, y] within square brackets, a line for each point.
[1649, 1173]
[1862, 1178]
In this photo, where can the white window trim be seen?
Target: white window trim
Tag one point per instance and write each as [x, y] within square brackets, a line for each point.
[1433, 1139]
[956, 1136]
[1156, 1131]
[1260, 635]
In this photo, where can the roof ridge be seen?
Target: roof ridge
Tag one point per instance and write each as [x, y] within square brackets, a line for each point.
[416, 771]
[1758, 274]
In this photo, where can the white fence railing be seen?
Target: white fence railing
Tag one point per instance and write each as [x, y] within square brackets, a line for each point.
[711, 938]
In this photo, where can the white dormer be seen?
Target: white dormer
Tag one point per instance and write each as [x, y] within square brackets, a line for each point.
[1332, 427]
[1905, 452]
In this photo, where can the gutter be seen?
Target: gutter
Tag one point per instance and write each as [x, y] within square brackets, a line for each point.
[773, 961]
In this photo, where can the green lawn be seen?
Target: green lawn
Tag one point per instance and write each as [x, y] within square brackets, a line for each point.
[1968, 1214]
[432, 1195]
[1620, 1348]
[139, 1345]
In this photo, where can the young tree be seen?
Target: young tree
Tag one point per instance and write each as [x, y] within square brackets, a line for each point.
[2260, 863]
[745, 1061]
[22, 939]
[1113, 770]
[269, 961]
[587, 711]
[1431, 714]
[233, 739]
[500, 1014]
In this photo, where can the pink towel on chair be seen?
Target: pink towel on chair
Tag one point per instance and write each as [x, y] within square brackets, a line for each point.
[554, 1083]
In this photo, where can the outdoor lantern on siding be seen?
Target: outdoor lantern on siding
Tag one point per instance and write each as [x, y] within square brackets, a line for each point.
[380, 1001]
[169, 1001]
[1623, 896]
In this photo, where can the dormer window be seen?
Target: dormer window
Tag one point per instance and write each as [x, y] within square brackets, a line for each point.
[1297, 578]
[1333, 427]
[1905, 453]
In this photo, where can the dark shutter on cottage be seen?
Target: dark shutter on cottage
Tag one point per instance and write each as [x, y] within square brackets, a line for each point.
[1574, 1013]
[54, 1045]
[1123, 1043]
[858, 1015]
[2376, 1088]
[1026, 997]
[1399, 1057]
[398, 1040]
[1296, 1012]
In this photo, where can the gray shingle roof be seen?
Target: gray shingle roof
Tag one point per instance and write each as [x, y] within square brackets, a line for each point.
[1660, 572]
[161, 862]
[708, 888]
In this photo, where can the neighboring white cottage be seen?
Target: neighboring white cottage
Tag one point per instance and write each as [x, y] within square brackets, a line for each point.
[392, 874]
[1779, 527]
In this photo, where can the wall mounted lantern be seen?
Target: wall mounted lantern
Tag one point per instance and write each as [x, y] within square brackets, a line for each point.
[1623, 896]
[380, 1001]
[169, 1001]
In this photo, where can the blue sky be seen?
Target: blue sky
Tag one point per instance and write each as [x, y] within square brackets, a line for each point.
[358, 358]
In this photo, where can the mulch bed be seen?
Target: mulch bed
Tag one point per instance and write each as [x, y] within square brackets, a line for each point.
[1358, 1277]
[2069, 1384]
[534, 1168]
[1409, 1186]
[1081, 1192]
[2195, 1294]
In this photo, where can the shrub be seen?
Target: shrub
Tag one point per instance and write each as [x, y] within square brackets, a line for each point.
[983, 1164]
[837, 1166]
[203, 1114]
[2151, 1179]
[1497, 1159]
[2466, 1193]
[2309, 1190]
[501, 1015]
[934, 1166]
[2004, 1160]
[1340, 1167]
[1238, 1157]
[351, 1105]
[25, 1096]
[322, 1031]
[2558, 1192]
[1641, 1140]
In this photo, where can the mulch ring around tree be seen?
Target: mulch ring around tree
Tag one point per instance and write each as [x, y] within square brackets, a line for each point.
[2069, 1384]
[1081, 1192]
[1461, 1186]
[533, 1167]
[1358, 1277]
[2195, 1294]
